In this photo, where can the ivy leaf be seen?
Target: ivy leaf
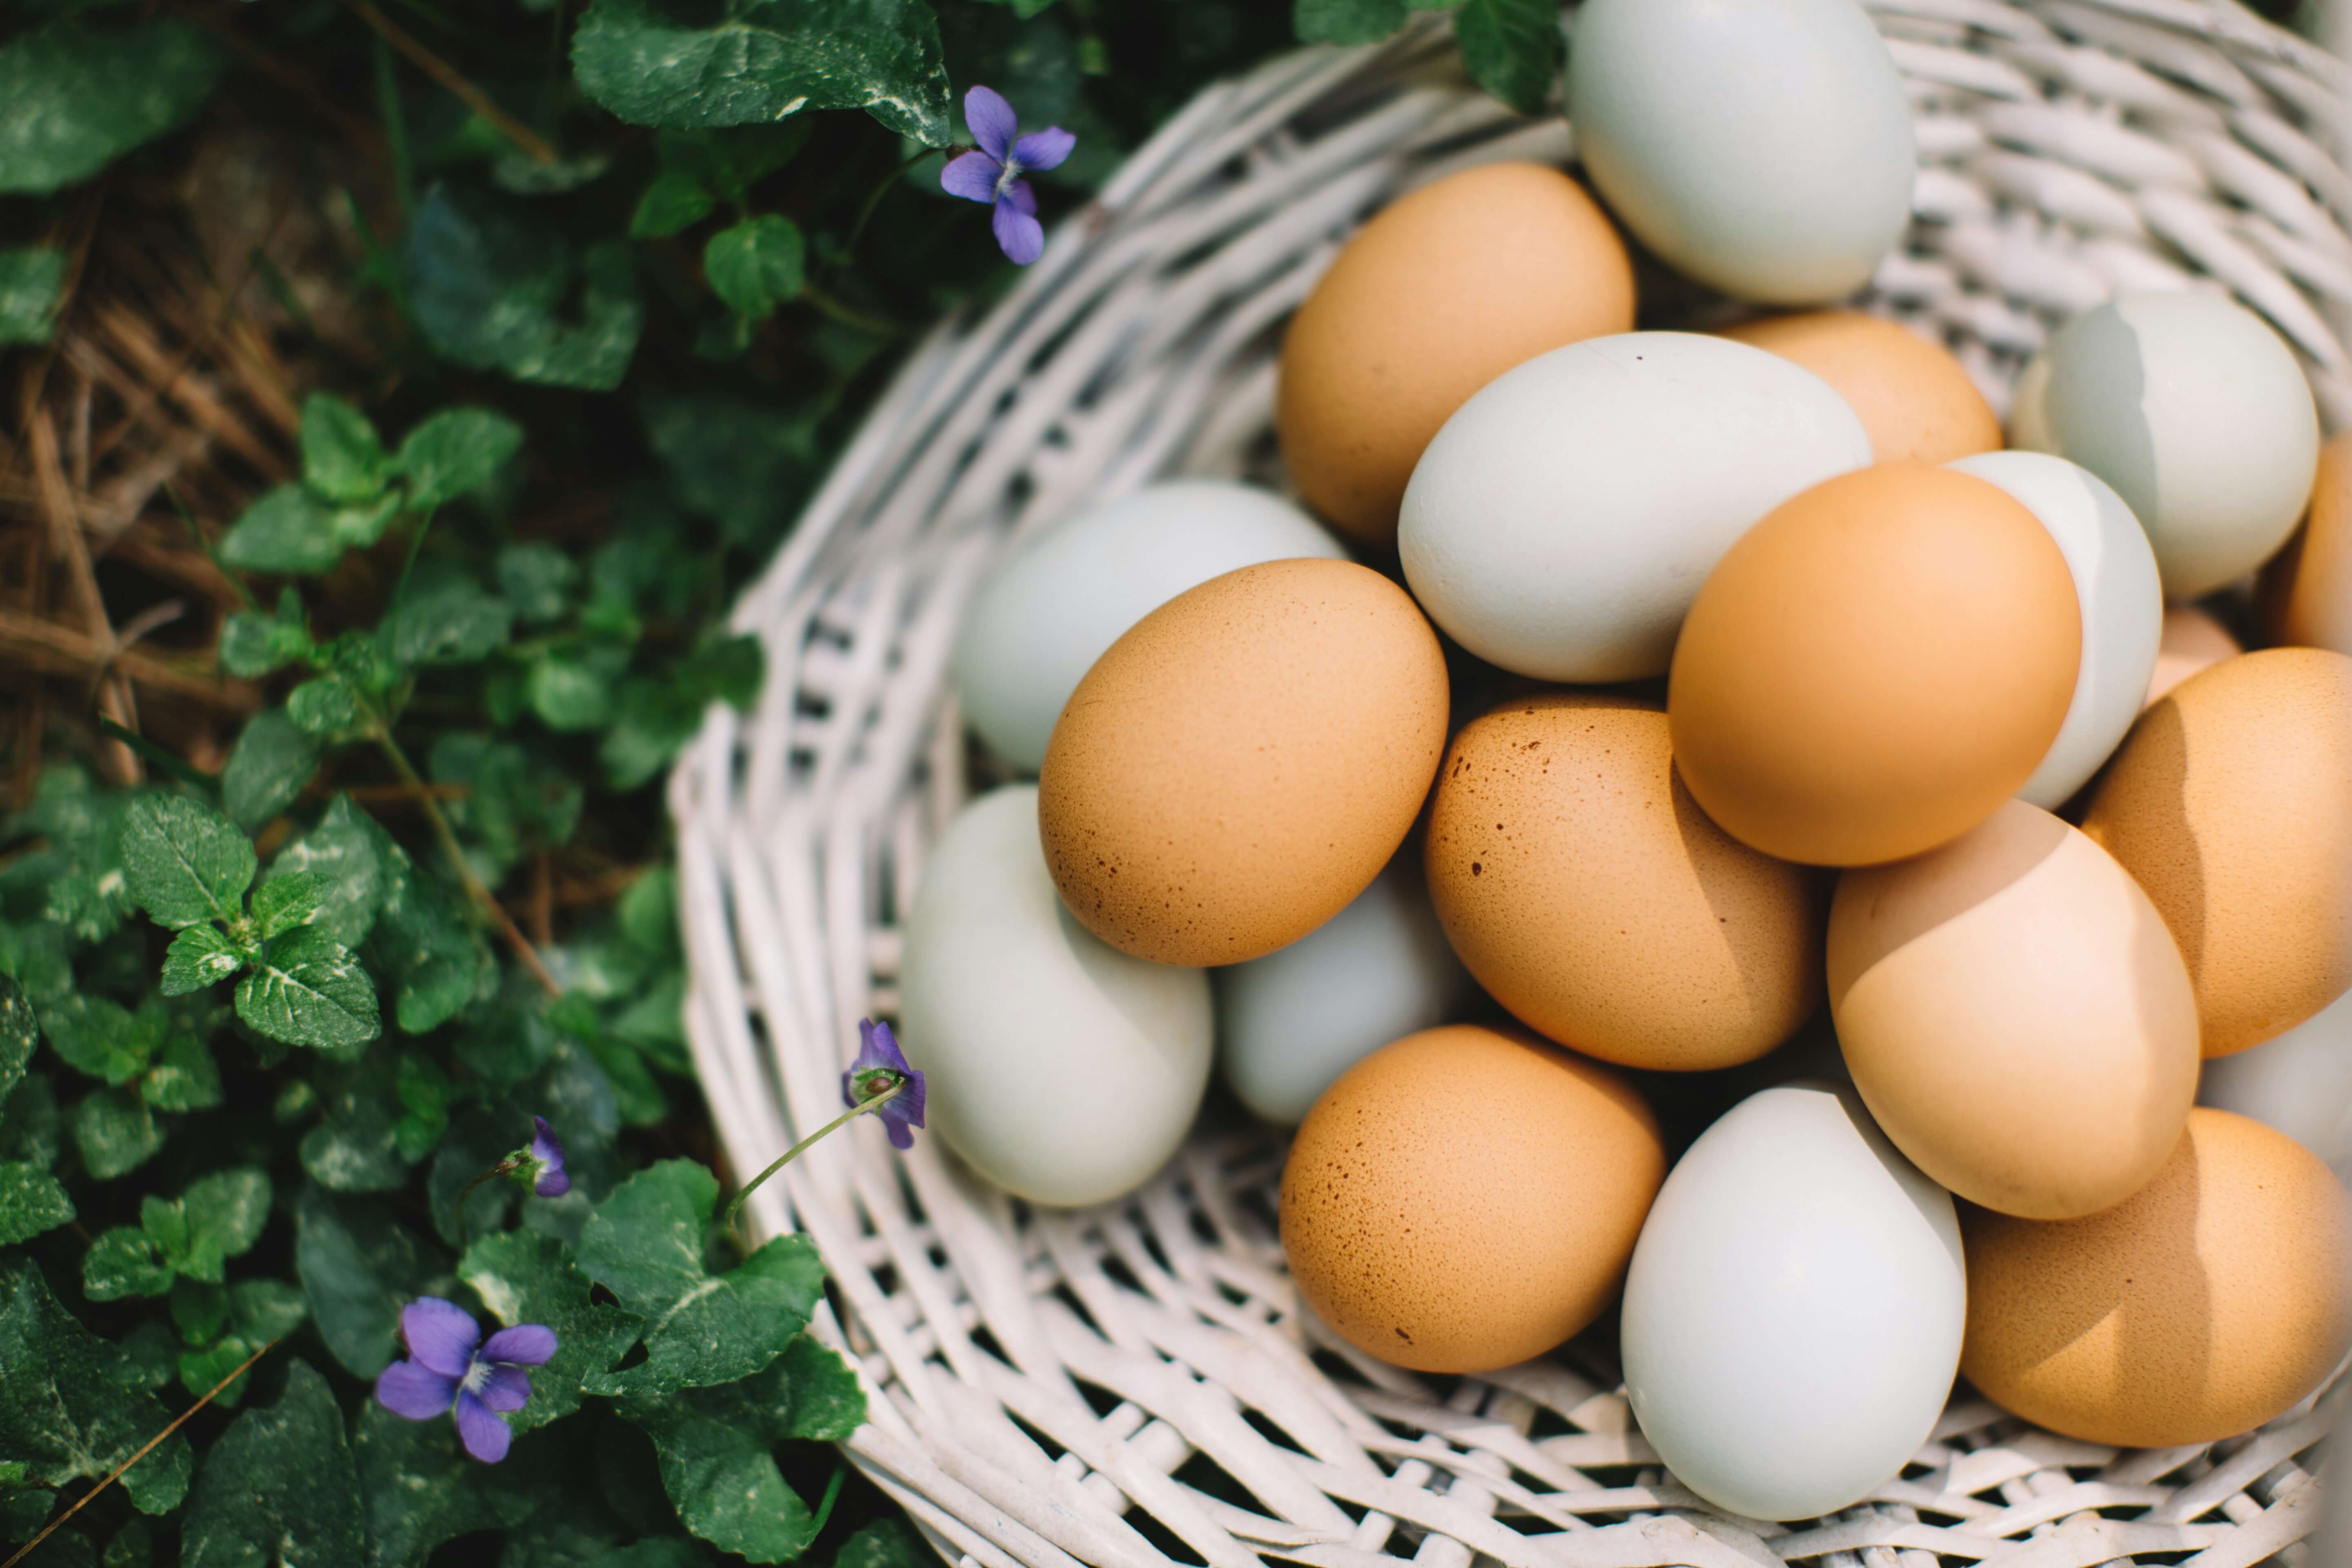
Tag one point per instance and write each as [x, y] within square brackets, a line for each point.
[456, 623]
[183, 1076]
[284, 902]
[279, 1486]
[68, 1409]
[340, 852]
[19, 1033]
[308, 990]
[115, 1133]
[274, 757]
[185, 863]
[421, 1489]
[649, 64]
[645, 1244]
[124, 1261]
[344, 459]
[756, 265]
[492, 288]
[1514, 49]
[220, 1216]
[525, 1277]
[454, 453]
[31, 1202]
[103, 1038]
[358, 1267]
[717, 1448]
[253, 645]
[32, 277]
[1347, 21]
[676, 201]
[80, 95]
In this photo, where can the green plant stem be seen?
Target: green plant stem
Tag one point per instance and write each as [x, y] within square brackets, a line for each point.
[795, 1152]
[850, 316]
[848, 252]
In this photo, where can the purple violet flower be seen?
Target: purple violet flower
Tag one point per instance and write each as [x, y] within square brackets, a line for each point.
[991, 172]
[549, 1180]
[450, 1370]
[881, 1066]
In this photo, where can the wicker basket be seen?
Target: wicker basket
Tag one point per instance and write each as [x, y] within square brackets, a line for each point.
[1137, 1384]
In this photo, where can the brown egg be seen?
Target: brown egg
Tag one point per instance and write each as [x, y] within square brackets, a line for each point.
[2016, 1016]
[1243, 762]
[2307, 590]
[2207, 1303]
[1913, 398]
[1444, 290]
[1467, 1198]
[1589, 894]
[1874, 667]
[2192, 641]
[2230, 801]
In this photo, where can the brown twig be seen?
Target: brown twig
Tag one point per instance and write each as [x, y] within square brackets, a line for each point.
[114, 698]
[543, 900]
[442, 71]
[601, 889]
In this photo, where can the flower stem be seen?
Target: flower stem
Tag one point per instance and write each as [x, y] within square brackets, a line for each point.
[503, 1168]
[788, 1156]
[873, 199]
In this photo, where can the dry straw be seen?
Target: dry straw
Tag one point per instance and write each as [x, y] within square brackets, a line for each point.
[1137, 1384]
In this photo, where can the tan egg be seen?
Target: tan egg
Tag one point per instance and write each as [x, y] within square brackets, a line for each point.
[2205, 1304]
[1874, 668]
[2230, 801]
[1444, 290]
[1585, 889]
[2016, 1016]
[1913, 398]
[2193, 640]
[2307, 590]
[1467, 1198]
[1243, 762]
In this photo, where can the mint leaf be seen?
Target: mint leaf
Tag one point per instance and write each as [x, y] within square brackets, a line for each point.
[422, 941]
[273, 758]
[456, 623]
[884, 1543]
[757, 264]
[571, 687]
[220, 1216]
[67, 1409]
[324, 707]
[358, 1268]
[517, 799]
[420, 1489]
[115, 1133]
[1514, 49]
[658, 718]
[31, 1202]
[1347, 21]
[456, 452]
[19, 1032]
[651, 63]
[493, 287]
[183, 1076]
[31, 277]
[526, 1278]
[199, 956]
[537, 579]
[310, 991]
[124, 1261]
[355, 1147]
[285, 901]
[279, 1486]
[344, 459]
[673, 202]
[253, 645]
[31, 1129]
[200, 1370]
[742, 463]
[287, 530]
[80, 95]
[103, 1038]
[185, 863]
[340, 852]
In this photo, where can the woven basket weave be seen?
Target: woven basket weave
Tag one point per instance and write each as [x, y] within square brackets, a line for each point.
[1137, 1384]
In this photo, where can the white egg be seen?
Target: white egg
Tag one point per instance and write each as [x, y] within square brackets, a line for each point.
[1057, 1066]
[1043, 617]
[2299, 1082]
[1764, 147]
[1290, 1022]
[2197, 412]
[1563, 519]
[1793, 1312]
[2122, 604]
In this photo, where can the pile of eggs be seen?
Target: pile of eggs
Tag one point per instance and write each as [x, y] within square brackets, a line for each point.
[1625, 720]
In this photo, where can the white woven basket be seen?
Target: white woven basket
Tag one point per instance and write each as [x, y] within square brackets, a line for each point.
[1137, 1384]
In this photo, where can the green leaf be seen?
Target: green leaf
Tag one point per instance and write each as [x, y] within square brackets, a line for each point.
[31, 1131]
[134, 1546]
[524, 1278]
[265, 1309]
[745, 464]
[454, 453]
[358, 1267]
[570, 687]
[274, 757]
[31, 277]
[253, 645]
[279, 1486]
[201, 1370]
[424, 941]
[422, 1490]
[658, 718]
[673, 202]
[1347, 21]
[717, 1448]
[517, 799]
[80, 95]
[355, 1147]
[757, 264]
[220, 1216]
[324, 707]
[310, 991]
[651, 63]
[115, 1133]
[644, 1245]
[68, 1411]
[198, 957]
[344, 459]
[103, 1038]
[19, 1033]
[185, 863]
[426, 1094]
[884, 1543]
[493, 287]
[183, 1076]
[292, 531]
[200, 1309]
[124, 1261]
[284, 902]
[31, 1202]
[454, 623]
[342, 853]
[1514, 49]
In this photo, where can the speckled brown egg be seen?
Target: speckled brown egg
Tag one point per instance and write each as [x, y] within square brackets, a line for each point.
[2191, 640]
[1444, 290]
[1467, 1198]
[2205, 1304]
[1913, 398]
[1243, 762]
[1589, 894]
[2230, 801]
[2307, 590]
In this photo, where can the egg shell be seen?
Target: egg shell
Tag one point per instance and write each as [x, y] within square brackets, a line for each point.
[1243, 761]
[1292, 1022]
[1590, 895]
[2307, 590]
[1064, 1071]
[2299, 1083]
[1466, 1198]
[2117, 592]
[1875, 667]
[1442, 292]
[2196, 412]
[1561, 522]
[1765, 148]
[1042, 617]
[1913, 399]
[2016, 1016]
[1793, 1312]
[2191, 640]
[2230, 801]
[2205, 1304]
